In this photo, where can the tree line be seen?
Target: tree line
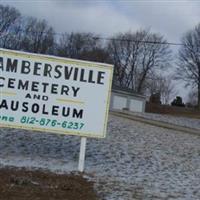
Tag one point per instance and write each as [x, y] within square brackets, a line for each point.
[139, 57]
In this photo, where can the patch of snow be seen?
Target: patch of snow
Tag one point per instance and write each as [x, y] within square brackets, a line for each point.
[134, 161]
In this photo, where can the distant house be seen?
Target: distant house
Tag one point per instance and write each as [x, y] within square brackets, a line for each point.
[123, 98]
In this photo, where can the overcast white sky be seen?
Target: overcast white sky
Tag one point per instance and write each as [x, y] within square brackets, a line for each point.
[170, 18]
[106, 17]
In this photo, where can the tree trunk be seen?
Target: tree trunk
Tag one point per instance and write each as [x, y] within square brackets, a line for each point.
[198, 88]
[141, 81]
[198, 104]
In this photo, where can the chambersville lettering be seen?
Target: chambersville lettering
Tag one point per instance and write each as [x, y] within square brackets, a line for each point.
[47, 70]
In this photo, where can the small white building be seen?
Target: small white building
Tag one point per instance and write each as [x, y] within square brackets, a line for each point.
[127, 99]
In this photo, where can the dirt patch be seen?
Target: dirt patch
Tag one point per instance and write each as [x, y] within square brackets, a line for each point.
[20, 184]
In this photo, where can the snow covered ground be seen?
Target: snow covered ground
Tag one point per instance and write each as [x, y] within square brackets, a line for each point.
[181, 121]
[135, 161]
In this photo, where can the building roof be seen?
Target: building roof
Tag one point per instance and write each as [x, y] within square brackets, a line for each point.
[127, 91]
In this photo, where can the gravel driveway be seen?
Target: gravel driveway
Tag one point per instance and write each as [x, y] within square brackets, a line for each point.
[135, 161]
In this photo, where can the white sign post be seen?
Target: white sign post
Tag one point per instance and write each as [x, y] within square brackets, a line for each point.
[82, 154]
[52, 94]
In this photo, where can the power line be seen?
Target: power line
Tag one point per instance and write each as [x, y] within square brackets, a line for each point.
[142, 41]
[102, 38]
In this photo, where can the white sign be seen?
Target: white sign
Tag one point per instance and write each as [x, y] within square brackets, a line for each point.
[53, 94]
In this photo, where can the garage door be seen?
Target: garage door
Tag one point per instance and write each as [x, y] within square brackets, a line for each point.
[136, 105]
[119, 102]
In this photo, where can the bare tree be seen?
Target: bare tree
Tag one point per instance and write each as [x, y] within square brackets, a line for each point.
[168, 90]
[162, 85]
[75, 45]
[192, 98]
[188, 68]
[98, 54]
[9, 21]
[124, 53]
[37, 37]
[154, 56]
[8, 17]
[13, 38]
[135, 59]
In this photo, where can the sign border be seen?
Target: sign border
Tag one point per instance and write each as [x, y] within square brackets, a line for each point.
[83, 63]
